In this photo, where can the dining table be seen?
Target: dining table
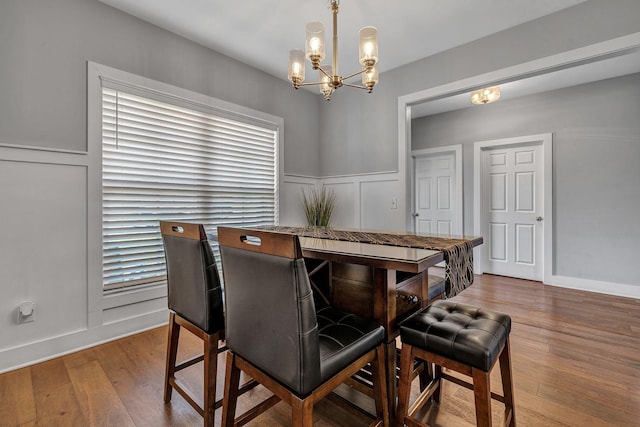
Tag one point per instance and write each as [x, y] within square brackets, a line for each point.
[382, 275]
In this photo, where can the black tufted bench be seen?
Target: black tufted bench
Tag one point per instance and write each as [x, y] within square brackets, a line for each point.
[462, 338]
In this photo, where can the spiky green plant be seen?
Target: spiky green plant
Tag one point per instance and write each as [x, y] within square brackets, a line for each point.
[318, 206]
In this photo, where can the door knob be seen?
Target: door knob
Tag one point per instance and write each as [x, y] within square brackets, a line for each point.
[416, 214]
[538, 218]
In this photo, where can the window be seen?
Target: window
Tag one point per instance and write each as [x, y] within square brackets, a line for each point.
[177, 161]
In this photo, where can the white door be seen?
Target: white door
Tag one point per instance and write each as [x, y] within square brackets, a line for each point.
[435, 198]
[512, 207]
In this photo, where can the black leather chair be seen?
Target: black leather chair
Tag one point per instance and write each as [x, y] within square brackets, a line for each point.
[195, 303]
[275, 334]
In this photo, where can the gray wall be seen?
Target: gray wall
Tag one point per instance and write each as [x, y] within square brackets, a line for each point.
[44, 46]
[361, 132]
[47, 205]
[596, 157]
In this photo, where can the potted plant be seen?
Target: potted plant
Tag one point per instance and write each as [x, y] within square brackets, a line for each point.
[318, 206]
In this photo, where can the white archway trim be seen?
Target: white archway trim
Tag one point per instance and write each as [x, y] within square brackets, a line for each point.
[583, 55]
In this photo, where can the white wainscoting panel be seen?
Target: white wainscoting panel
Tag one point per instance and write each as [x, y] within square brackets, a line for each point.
[291, 212]
[346, 210]
[362, 201]
[43, 251]
[44, 259]
[376, 206]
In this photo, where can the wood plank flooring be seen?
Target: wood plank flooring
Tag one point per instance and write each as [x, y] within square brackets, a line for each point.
[576, 362]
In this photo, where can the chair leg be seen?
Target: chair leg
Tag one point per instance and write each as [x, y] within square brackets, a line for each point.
[437, 373]
[507, 383]
[172, 352]
[404, 384]
[379, 377]
[231, 385]
[301, 412]
[482, 393]
[210, 374]
[426, 375]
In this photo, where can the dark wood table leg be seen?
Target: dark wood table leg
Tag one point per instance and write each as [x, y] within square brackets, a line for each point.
[392, 389]
[384, 311]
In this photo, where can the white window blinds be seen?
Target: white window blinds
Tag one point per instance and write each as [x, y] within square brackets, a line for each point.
[168, 162]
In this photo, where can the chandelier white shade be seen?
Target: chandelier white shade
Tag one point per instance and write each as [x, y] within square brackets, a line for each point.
[486, 95]
[329, 78]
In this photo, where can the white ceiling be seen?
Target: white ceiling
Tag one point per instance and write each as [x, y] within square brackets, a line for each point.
[627, 63]
[261, 33]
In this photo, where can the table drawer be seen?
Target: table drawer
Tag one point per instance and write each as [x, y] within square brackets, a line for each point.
[409, 296]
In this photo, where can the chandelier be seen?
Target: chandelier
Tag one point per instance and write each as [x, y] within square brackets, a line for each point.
[486, 95]
[330, 80]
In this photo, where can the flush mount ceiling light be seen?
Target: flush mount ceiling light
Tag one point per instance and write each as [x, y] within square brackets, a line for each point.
[486, 95]
[330, 80]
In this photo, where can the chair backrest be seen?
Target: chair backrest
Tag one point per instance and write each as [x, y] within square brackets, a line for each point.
[270, 314]
[194, 290]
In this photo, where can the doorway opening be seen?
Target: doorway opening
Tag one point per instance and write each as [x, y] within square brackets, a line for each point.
[513, 206]
[437, 205]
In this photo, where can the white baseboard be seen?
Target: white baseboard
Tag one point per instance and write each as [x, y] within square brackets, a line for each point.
[609, 288]
[50, 348]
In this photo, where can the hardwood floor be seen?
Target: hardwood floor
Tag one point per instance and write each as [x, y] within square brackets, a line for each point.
[575, 356]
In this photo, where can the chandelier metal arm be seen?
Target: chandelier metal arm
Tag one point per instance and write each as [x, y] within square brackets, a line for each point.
[310, 83]
[357, 73]
[325, 73]
[321, 83]
[355, 85]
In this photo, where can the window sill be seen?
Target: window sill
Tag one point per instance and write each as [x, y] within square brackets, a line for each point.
[124, 296]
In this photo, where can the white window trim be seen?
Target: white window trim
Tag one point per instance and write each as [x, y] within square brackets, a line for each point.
[96, 73]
